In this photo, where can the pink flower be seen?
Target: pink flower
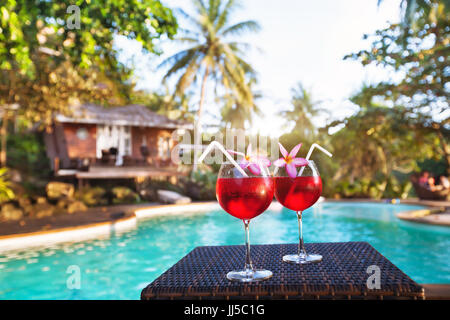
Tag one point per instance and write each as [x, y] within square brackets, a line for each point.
[290, 161]
[251, 161]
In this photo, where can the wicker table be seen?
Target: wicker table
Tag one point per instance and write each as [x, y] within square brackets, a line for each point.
[341, 275]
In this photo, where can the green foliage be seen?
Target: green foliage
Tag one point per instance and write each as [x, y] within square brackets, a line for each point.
[26, 153]
[379, 147]
[417, 50]
[377, 140]
[26, 26]
[360, 189]
[46, 65]
[375, 188]
[420, 53]
[6, 192]
[122, 195]
[397, 188]
[92, 196]
[436, 166]
[201, 185]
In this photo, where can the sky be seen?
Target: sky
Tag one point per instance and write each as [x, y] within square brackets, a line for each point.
[300, 40]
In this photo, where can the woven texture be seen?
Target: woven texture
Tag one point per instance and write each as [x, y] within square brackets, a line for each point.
[342, 274]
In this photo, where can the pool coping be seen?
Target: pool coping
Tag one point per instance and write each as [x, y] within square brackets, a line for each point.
[107, 228]
[66, 234]
[90, 231]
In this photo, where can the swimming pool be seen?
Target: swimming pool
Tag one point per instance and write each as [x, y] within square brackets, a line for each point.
[119, 267]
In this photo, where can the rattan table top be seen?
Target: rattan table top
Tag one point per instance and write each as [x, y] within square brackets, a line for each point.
[342, 274]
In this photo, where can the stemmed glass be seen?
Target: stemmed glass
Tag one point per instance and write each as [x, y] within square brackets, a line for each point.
[245, 198]
[299, 193]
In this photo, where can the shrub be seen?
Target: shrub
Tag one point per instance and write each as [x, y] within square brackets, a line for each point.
[26, 153]
[92, 196]
[200, 185]
[124, 195]
[6, 193]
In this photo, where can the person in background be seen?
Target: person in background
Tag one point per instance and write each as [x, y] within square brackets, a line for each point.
[442, 183]
[445, 182]
[425, 179]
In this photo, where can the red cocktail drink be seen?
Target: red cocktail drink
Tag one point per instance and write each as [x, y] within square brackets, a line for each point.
[298, 193]
[245, 198]
[245, 195]
[299, 190]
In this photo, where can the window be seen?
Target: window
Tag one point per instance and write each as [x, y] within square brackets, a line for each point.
[82, 133]
[164, 148]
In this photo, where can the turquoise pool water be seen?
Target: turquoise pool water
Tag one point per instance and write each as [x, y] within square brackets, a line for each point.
[120, 266]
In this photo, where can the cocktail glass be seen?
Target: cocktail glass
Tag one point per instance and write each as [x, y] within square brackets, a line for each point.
[299, 193]
[245, 198]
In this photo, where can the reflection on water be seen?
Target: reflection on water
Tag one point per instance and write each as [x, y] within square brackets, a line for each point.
[120, 266]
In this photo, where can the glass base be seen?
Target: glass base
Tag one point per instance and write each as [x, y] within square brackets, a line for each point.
[303, 258]
[249, 275]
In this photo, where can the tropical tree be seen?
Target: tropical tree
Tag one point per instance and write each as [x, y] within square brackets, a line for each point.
[417, 51]
[213, 54]
[52, 52]
[165, 103]
[303, 109]
[237, 111]
[373, 144]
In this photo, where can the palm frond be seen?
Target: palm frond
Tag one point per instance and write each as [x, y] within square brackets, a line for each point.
[248, 69]
[213, 10]
[193, 21]
[173, 59]
[200, 7]
[179, 61]
[188, 76]
[234, 67]
[182, 32]
[240, 47]
[222, 20]
[241, 28]
[187, 39]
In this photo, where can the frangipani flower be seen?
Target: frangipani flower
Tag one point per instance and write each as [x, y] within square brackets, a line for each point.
[290, 161]
[251, 161]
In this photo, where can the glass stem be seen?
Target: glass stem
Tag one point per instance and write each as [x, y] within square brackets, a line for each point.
[301, 245]
[248, 260]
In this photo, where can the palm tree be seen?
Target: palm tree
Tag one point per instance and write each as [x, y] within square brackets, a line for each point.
[305, 108]
[212, 54]
[237, 111]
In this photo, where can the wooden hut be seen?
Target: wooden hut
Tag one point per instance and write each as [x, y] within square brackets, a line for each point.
[97, 142]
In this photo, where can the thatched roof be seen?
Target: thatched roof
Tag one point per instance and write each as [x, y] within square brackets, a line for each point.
[131, 115]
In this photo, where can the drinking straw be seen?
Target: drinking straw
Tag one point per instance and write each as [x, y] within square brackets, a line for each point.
[261, 167]
[311, 149]
[225, 152]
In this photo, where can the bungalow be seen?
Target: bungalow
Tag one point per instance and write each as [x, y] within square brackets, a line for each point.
[117, 142]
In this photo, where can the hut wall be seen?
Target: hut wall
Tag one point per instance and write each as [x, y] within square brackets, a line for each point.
[80, 147]
[153, 138]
